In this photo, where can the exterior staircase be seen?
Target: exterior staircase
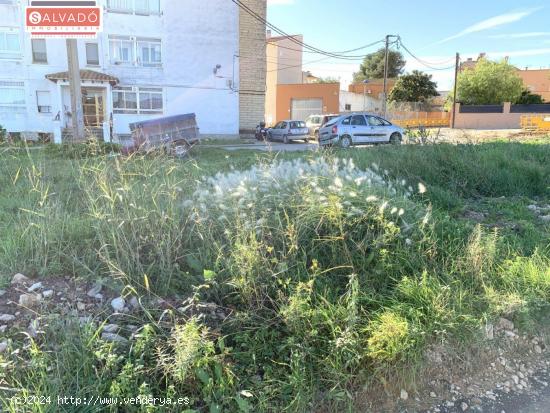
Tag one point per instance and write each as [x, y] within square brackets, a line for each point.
[91, 133]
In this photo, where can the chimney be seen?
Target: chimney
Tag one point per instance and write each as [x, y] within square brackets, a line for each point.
[482, 55]
[268, 34]
[507, 59]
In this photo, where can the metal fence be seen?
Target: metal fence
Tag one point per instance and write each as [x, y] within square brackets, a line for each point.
[535, 108]
[481, 108]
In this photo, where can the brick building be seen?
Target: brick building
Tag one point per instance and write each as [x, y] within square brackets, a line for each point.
[252, 69]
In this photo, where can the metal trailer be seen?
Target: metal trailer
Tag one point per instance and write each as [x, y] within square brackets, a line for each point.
[175, 135]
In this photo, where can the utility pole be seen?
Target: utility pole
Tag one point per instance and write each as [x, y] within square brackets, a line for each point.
[457, 68]
[386, 68]
[386, 71]
[76, 91]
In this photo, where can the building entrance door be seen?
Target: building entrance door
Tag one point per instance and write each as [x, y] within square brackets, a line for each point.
[93, 105]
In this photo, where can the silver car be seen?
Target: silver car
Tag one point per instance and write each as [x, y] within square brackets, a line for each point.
[359, 129]
[315, 122]
[289, 130]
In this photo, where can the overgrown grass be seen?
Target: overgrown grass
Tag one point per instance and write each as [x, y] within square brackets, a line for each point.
[337, 271]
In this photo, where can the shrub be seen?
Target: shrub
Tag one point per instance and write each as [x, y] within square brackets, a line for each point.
[90, 148]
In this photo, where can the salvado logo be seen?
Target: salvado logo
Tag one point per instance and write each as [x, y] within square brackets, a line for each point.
[64, 22]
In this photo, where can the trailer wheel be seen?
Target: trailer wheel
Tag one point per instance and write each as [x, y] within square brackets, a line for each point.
[180, 149]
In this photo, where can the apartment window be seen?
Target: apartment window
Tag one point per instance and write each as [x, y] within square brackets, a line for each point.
[92, 54]
[43, 102]
[348, 107]
[142, 7]
[150, 100]
[12, 97]
[128, 100]
[10, 45]
[122, 50]
[125, 100]
[149, 52]
[39, 52]
[135, 51]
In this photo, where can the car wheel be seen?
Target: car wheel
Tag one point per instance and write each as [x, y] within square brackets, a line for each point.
[395, 139]
[285, 140]
[268, 137]
[345, 142]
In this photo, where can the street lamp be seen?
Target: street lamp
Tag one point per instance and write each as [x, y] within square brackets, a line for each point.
[365, 82]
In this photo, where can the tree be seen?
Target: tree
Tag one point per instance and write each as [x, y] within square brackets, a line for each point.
[414, 87]
[373, 66]
[528, 98]
[489, 83]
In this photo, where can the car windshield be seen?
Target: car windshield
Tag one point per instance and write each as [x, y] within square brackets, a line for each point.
[297, 125]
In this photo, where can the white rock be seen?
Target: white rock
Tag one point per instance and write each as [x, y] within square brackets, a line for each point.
[47, 294]
[516, 379]
[118, 304]
[7, 317]
[29, 300]
[532, 208]
[538, 349]
[96, 289]
[505, 324]
[134, 303]
[35, 287]
[3, 346]
[510, 334]
[3, 328]
[114, 338]
[2, 293]
[545, 218]
[404, 394]
[111, 328]
[433, 395]
[19, 279]
[464, 406]
[80, 306]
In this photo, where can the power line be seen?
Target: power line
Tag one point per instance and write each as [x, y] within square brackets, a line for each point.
[422, 62]
[348, 51]
[292, 38]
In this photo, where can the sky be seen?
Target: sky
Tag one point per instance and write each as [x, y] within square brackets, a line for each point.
[434, 31]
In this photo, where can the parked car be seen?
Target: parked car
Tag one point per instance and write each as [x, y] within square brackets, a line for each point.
[359, 129]
[289, 130]
[315, 122]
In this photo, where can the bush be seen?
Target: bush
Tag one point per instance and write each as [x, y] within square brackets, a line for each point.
[90, 148]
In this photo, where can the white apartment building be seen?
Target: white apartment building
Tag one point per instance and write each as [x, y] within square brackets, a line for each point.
[154, 58]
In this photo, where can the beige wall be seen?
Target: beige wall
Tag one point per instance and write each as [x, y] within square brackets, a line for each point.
[288, 57]
[504, 120]
[271, 84]
[284, 66]
[252, 66]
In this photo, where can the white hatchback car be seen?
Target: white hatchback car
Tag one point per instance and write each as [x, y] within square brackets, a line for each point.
[359, 129]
